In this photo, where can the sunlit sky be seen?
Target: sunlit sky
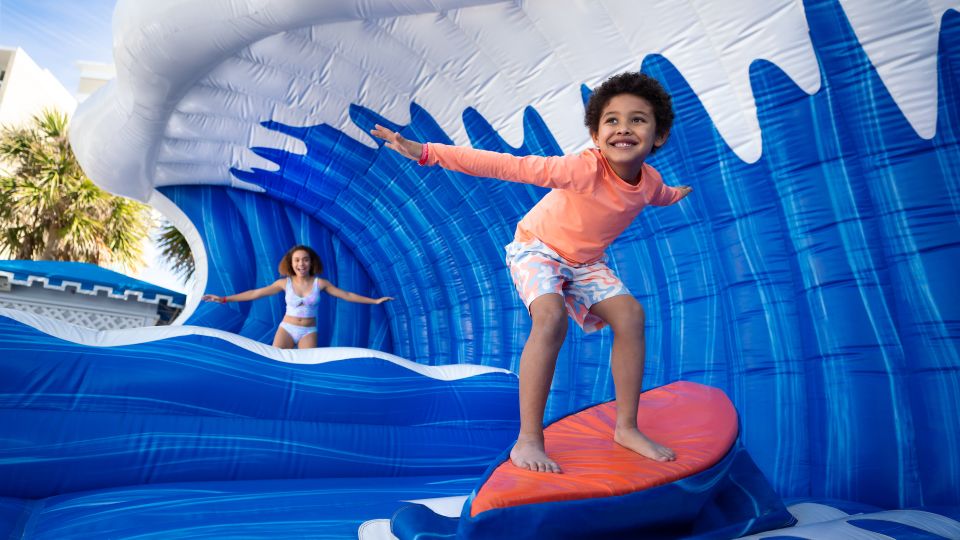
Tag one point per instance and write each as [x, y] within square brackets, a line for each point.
[57, 34]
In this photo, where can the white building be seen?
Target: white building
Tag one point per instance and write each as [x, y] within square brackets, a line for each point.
[85, 295]
[93, 75]
[26, 89]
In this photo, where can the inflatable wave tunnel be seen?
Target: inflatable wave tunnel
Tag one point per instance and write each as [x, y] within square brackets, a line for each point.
[811, 277]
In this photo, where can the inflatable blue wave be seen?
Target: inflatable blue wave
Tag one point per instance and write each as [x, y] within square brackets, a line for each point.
[815, 286]
[811, 276]
[173, 406]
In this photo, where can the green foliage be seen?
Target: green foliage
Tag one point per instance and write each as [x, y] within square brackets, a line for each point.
[50, 210]
[175, 249]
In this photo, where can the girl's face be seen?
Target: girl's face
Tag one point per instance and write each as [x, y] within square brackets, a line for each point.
[301, 263]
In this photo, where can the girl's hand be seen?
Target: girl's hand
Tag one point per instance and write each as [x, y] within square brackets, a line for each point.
[383, 299]
[685, 190]
[213, 298]
[402, 145]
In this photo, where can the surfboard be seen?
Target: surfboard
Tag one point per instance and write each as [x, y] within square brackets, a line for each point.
[698, 422]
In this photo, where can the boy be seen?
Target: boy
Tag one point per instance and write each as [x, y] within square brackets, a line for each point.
[557, 259]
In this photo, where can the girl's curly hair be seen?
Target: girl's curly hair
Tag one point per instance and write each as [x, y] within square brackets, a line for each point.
[286, 263]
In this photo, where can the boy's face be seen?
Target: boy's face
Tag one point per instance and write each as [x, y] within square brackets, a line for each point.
[627, 130]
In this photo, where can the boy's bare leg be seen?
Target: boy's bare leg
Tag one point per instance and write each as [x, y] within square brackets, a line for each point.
[626, 318]
[537, 363]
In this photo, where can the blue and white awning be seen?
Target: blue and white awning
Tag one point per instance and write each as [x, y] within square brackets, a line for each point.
[89, 279]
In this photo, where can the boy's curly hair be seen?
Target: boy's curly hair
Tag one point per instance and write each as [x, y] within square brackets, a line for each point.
[639, 85]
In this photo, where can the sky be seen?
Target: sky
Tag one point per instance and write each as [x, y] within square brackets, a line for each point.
[57, 34]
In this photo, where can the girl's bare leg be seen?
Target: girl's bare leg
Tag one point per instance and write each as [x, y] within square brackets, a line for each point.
[626, 318]
[537, 363]
[308, 341]
[282, 339]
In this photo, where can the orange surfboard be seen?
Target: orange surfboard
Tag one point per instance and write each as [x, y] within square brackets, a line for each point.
[698, 422]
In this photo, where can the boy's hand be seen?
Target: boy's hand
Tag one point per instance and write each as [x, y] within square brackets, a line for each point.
[684, 191]
[405, 147]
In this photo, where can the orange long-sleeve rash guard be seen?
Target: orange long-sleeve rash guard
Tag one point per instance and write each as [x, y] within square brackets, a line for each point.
[588, 205]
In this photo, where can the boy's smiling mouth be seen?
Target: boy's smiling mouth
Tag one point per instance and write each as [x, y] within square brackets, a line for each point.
[620, 143]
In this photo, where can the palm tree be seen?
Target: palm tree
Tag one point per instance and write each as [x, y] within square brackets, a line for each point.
[175, 249]
[50, 210]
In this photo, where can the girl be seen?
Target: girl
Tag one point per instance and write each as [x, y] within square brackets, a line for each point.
[303, 286]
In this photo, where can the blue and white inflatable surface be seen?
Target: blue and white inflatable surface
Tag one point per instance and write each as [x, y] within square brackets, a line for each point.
[811, 276]
[194, 432]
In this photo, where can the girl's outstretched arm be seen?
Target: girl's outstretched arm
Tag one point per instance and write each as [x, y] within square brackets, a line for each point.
[352, 297]
[395, 141]
[253, 294]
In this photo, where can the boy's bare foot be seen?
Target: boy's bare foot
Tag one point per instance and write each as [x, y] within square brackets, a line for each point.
[529, 454]
[632, 439]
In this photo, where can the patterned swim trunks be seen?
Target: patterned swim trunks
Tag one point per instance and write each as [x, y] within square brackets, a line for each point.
[537, 270]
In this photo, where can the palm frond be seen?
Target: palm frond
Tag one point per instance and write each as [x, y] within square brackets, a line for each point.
[175, 249]
[50, 209]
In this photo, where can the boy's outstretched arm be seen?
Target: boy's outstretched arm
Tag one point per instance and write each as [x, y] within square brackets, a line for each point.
[563, 172]
[402, 145]
[667, 195]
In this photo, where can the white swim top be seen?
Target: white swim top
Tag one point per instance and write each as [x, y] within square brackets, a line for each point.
[303, 306]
